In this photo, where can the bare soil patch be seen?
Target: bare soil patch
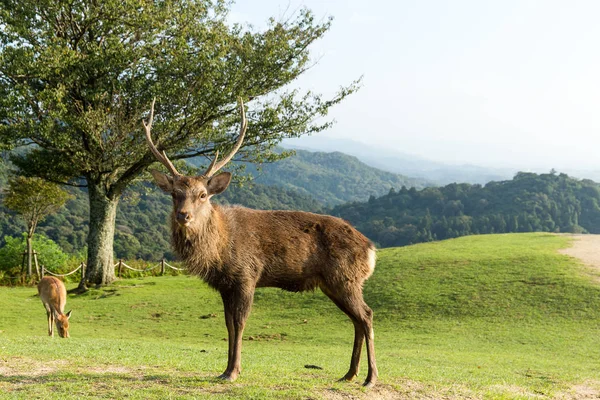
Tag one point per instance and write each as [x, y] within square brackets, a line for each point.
[22, 366]
[410, 391]
[586, 390]
[586, 248]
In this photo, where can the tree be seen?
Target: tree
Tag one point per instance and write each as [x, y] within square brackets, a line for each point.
[76, 78]
[34, 199]
[51, 255]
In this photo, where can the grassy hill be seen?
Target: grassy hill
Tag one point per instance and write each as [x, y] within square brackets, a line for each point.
[494, 316]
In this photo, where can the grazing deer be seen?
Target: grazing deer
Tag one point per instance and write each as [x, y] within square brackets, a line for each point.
[236, 249]
[54, 297]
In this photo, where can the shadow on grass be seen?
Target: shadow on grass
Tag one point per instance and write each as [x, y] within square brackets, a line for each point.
[115, 385]
[117, 378]
[153, 385]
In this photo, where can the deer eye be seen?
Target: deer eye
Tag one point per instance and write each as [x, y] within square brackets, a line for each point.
[203, 195]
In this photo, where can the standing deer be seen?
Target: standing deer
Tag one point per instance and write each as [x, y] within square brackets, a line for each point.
[54, 297]
[236, 249]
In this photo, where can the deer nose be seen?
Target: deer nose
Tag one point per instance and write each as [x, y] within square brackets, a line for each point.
[183, 216]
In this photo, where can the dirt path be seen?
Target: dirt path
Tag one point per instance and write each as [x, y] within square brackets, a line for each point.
[587, 249]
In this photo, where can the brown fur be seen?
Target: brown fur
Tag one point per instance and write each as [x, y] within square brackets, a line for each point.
[54, 297]
[236, 249]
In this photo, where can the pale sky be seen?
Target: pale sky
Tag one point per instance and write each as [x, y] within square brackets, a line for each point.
[488, 82]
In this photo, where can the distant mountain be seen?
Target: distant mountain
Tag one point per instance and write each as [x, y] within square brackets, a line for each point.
[330, 178]
[403, 163]
[333, 178]
[593, 174]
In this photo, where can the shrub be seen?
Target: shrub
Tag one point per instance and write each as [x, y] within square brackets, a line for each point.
[49, 253]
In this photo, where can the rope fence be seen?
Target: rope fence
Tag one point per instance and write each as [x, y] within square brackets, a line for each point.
[45, 271]
[81, 267]
[174, 268]
[41, 270]
[162, 264]
[121, 264]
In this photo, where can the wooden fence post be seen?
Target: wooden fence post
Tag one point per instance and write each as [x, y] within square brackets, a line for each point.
[82, 271]
[120, 266]
[42, 271]
[162, 267]
[23, 263]
[37, 268]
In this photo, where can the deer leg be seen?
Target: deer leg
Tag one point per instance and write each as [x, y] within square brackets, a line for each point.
[351, 302]
[49, 320]
[237, 306]
[370, 339]
[359, 337]
[51, 324]
[244, 303]
[227, 302]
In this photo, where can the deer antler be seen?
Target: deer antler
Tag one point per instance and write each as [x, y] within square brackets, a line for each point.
[214, 165]
[161, 157]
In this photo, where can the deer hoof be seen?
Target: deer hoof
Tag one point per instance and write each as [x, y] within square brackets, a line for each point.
[347, 378]
[368, 384]
[226, 377]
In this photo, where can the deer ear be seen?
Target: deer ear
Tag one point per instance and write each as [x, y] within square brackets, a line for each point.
[69, 314]
[217, 184]
[164, 181]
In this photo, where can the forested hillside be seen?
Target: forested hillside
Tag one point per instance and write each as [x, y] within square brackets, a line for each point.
[527, 203]
[331, 178]
[3, 173]
[141, 225]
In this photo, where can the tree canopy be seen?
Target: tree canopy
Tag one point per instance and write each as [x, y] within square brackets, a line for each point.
[76, 78]
[528, 203]
[34, 199]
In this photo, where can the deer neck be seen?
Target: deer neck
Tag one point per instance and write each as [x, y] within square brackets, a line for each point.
[202, 245]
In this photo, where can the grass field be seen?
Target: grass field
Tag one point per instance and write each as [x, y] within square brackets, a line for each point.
[497, 316]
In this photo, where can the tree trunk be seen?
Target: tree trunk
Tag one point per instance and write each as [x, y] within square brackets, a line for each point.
[29, 256]
[103, 210]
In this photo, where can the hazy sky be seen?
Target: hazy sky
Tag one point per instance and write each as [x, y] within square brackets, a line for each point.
[490, 82]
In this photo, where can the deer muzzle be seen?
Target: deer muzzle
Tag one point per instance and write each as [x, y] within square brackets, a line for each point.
[183, 218]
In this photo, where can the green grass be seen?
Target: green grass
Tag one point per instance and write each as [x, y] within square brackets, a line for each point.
[498, 316]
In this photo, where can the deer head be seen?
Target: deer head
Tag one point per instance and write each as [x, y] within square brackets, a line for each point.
[191, 194]
[62, 323]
